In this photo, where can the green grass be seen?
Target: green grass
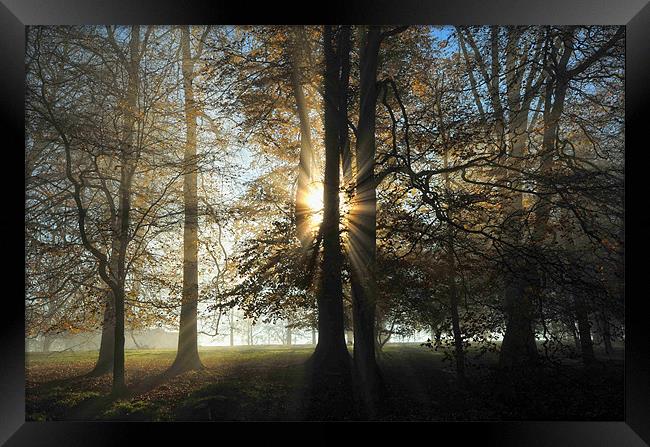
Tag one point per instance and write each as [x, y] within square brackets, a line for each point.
[268, 382]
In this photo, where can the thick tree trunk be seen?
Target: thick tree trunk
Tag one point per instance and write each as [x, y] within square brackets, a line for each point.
[330, 363]
[105, 361]
[127, 169]
[119, 384]
[519, 348]
[107, 343]
[363, 227]
[187, 356]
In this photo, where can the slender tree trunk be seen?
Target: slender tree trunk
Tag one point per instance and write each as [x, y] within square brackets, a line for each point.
[606, 333]
[363, 227]
[313, 336]
[297, 57]
[349, 335]
[584, 329]
[451, 271]
[574, 334]
[135, 342]
[47, 342]
[187, 356]
[455, 325]
[289, 335]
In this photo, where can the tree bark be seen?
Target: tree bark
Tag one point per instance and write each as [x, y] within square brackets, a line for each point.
[606, 333]
[330, 363]
[584, 330]
[107, 343]
[288, 336]
[519, 348]
[127, 169]
[349, 335]
[451, 269]
[303, 210]
[363, 226]
[47, 342]
[187, 356]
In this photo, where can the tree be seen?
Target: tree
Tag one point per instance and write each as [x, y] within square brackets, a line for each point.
[331, 361]
[187, 356]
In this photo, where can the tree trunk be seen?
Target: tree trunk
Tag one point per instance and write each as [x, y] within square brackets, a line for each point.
[349, 335]
[289, 335]
[574, 334]
[606, 334]
[303, 210]
[135, 342]
[451, 276]
[127, 169]
[187, 356]
[105, 362]
[363, 227]
[47, 342]
[455, 320]
[330, 363]
[313, 336]
[584, 329]
[519, 348]
[107, 343]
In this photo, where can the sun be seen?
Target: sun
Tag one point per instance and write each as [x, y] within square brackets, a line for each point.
[314, 200]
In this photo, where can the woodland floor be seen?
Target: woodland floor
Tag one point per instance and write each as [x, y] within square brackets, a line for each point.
[267, 383]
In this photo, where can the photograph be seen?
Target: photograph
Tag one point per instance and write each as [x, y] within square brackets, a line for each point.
[325, 222]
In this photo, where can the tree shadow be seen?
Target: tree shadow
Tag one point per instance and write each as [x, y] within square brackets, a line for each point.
[66, 382]
[329, 394]
[248, 394]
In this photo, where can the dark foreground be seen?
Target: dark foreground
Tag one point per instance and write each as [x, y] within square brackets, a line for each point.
[268, 383]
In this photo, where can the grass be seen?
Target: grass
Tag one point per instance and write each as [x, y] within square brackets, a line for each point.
[267, 383]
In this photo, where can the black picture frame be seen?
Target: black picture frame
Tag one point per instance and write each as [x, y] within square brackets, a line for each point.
[15, 14]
